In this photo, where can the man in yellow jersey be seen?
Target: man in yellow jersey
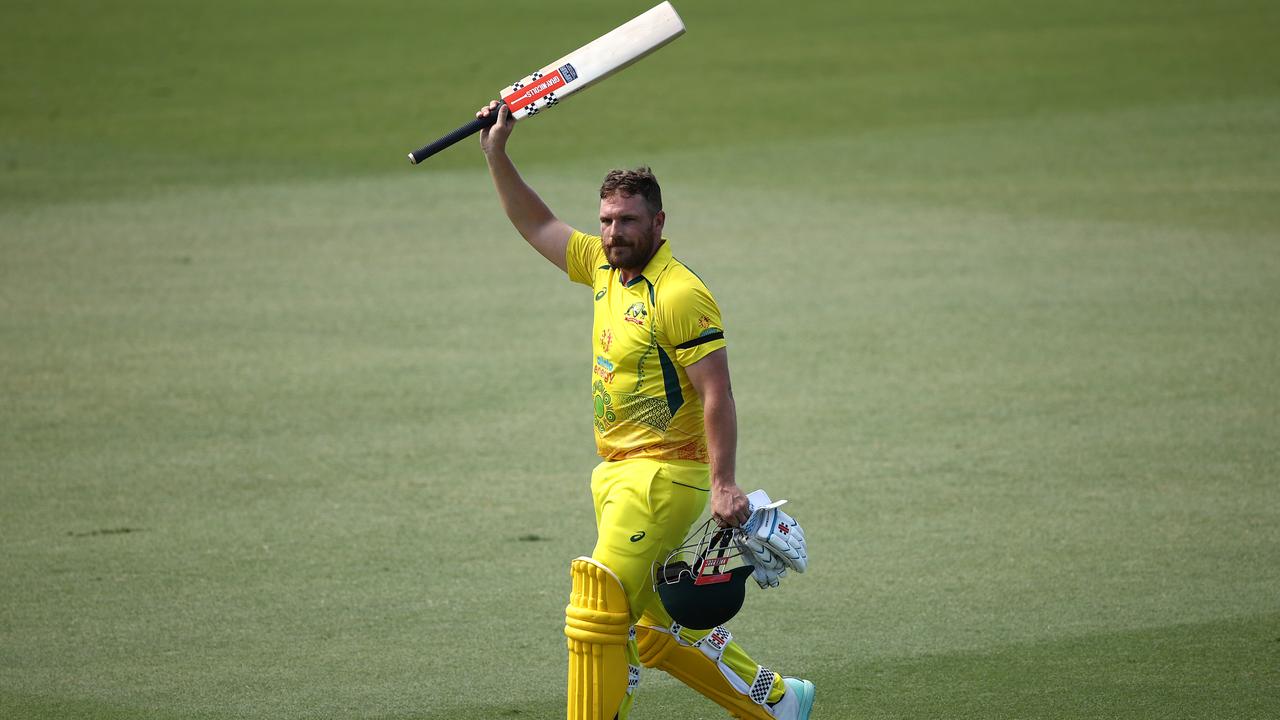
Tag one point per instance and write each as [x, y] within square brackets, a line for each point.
[666, 426]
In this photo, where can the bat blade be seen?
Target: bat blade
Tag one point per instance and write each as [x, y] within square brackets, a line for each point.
[594, 61]
[576, 71]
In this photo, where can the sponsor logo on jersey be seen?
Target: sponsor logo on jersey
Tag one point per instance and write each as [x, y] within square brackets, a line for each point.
[604, 368]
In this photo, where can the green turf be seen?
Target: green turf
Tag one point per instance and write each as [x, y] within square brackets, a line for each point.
[293, 430]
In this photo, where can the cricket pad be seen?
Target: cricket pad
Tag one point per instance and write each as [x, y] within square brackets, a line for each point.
[699, 666]
[597, 624]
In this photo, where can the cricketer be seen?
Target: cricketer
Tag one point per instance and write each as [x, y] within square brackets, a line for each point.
[666, 430]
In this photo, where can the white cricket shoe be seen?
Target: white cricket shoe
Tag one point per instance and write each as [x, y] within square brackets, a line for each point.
[797, 702]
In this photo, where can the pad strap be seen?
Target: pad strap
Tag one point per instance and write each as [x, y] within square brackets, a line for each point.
[633, 671]
[714, 643]
[761, 686]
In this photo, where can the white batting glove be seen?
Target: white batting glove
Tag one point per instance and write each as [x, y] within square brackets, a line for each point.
[767, 569]
[771, 530]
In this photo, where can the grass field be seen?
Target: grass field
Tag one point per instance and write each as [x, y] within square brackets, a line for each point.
[293, 430]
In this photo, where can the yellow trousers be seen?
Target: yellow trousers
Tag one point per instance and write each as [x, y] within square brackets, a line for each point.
[644, 510]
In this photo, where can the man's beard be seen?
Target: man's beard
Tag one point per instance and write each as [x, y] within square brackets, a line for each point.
[633, 255]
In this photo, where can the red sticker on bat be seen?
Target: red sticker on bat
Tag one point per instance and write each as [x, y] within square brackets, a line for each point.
[535, 90]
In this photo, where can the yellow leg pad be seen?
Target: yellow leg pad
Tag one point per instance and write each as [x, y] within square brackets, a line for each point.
[598, 624]
[691, 666]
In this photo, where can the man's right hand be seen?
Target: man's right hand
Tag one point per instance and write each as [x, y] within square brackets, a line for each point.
[494, 139]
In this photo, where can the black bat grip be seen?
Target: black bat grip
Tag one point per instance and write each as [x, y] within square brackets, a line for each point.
[465, 131]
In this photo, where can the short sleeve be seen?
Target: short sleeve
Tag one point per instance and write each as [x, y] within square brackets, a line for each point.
[692, 322]
[582, 256]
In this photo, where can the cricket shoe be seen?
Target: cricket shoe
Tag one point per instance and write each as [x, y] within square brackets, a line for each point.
[797, 702]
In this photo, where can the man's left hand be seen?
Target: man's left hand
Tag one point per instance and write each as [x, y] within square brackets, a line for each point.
[729, 505]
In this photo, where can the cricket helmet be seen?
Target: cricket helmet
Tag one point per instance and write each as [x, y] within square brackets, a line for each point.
[702, 583]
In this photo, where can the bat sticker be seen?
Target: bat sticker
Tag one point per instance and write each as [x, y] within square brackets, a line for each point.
[541, 85]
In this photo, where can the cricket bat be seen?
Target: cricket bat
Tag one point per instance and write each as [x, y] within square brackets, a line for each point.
[579, 69]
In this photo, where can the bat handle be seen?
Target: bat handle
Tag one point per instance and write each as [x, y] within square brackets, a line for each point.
[465, 131]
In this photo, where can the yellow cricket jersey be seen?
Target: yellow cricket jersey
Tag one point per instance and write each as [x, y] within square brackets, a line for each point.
[645, 334]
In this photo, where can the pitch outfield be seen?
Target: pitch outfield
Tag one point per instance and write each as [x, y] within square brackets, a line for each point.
[291, 430]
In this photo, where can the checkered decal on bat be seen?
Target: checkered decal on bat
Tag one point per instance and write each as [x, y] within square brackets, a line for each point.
[536, 92]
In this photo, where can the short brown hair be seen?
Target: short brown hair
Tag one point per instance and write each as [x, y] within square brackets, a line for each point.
[634, 182]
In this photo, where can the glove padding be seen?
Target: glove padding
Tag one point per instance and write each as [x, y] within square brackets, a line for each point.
[772, 541]
[766, 568]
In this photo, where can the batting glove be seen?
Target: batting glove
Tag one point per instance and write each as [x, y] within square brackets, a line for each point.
[772, 530]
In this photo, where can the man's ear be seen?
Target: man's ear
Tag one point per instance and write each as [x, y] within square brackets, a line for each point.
[659, 221]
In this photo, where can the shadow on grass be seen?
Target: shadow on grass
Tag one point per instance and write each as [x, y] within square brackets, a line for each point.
[37, 707]
[1223, 669]
[513, 709]
[33, 707]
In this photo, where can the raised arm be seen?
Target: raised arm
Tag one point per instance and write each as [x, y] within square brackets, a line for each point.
[548, 234]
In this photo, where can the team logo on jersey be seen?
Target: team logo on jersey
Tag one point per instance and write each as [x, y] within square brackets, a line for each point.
[704, 322]
[636, 314]
[606, 339]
